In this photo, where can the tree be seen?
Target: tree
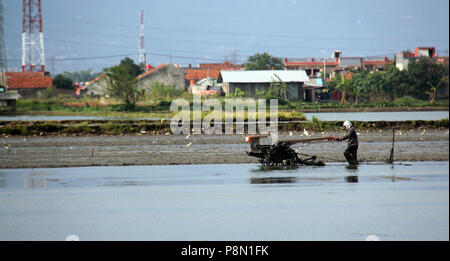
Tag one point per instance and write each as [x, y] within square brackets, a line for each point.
[356, 86]
[264, 61]
[432, 94]
[373, 85]
[425, 75]
[81, 76]
[281, 86]
[132, 68]
[121, 83]
[343, 87]
[62, 82]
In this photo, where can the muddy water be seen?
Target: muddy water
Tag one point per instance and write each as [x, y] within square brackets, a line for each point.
[323, 116]
[379, 116]
[407, 201]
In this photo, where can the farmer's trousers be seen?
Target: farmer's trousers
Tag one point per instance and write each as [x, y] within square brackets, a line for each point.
[351, 154]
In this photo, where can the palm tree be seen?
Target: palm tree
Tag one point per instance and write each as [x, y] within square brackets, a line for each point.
[282, 87]
[432, 93]
[342, 86]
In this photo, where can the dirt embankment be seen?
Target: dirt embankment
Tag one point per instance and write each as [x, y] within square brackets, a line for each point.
[125, 127]
[144, 149]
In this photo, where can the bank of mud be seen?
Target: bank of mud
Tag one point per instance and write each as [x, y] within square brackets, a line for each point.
[166, 149]
[154, 127]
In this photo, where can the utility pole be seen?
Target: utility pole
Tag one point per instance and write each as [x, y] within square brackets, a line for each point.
[142, 58]
[53, 64]
[32, 37]
[3, 58]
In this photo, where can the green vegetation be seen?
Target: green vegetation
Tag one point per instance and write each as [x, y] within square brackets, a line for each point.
[264, 61]
[62, 82]
[121, 83]
[421, 81]
[410, 89]
[81, 76]
[165, 93]
[49, 92]
[404, 102]
[160, 108]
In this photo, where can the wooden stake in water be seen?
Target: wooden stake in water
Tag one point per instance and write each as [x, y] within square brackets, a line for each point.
[391, 156]
[92, 153]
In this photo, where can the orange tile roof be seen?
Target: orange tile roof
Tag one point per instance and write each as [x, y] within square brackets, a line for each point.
[150, 71]
[348, 75]
[28, 80]
[211, 70]
[198, 74]
[226, 66]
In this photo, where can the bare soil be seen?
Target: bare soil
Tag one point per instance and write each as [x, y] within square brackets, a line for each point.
[74, 151]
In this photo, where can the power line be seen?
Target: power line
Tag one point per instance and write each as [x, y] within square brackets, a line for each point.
[184, 30]
[221, 43]
[127, 55]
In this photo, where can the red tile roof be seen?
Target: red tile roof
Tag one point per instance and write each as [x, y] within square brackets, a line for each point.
[226, 66]
[150, 71]
[198, 74]
[211, 70]
[27, 80]
[348, 75]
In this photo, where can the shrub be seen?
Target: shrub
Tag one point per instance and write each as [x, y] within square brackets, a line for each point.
[161, 91]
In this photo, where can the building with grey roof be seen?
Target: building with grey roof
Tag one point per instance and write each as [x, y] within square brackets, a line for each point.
[252, 82]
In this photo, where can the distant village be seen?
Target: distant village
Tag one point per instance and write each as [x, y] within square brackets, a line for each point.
[307, 78]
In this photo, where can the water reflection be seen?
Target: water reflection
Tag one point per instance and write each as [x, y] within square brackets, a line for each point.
[272, 168]
[351, 167]
[351, 179]
[34, 180]
[273, 180]
[28, 180]
[2, 180]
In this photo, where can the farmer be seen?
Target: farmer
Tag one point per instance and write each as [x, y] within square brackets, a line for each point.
[352, 149]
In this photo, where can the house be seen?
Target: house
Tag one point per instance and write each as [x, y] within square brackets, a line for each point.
[376, 63]
[402, 59]
[166, 74]
[261, 80]
[425, 52]
[315, 90]
[8, 98]
[96, 87]
[208, 70]
[205, 87]
[312, 66]
[27, 84]
[225, 66]
[337, 64]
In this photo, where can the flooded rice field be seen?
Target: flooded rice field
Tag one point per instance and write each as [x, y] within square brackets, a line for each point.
[77, 151]
[378, 116]
[323, 116]
[405, 201]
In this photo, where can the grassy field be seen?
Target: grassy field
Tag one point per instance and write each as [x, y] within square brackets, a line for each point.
[160, 108]
[112, 108]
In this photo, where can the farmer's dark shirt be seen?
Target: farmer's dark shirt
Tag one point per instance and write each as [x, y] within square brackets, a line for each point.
[352, 137]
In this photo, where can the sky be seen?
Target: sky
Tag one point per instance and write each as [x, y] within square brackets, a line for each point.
[94, 34]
